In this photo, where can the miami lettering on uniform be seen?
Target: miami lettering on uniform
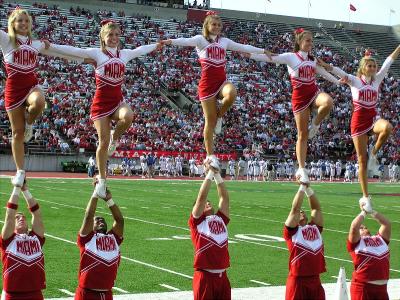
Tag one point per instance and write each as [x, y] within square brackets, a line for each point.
[310, 233]
[28, 247]
[114, 70]
[106, 243]
[216, 227]
[25, 57]
[216, 53]
[368, 95]
[307, 72]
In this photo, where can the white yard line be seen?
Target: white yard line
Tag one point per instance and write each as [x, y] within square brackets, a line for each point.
[260, 282]
[67, 292]
[120, 290]
[169, 287]
[255, 293]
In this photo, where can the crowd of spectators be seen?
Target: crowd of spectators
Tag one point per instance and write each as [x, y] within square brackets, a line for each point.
[263, 91]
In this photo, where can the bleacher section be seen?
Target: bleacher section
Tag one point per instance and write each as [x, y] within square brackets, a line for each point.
[263, 90]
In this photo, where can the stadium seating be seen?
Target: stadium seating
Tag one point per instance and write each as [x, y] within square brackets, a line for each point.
[263, 89]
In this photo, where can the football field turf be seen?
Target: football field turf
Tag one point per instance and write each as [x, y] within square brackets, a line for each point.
[157, 251]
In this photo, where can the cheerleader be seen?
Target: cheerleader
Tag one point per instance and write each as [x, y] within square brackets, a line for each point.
[211, 48]
[365, 120]
[306, 96]
[108, 102]
[24, 100]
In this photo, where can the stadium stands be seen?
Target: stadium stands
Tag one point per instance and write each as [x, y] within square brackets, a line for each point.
[263, 90]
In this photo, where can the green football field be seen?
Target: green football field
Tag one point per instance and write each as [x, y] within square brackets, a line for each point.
[157, 251]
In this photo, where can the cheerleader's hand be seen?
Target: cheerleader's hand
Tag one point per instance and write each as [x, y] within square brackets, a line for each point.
[47, 44]
[344, 80]
[159, 46]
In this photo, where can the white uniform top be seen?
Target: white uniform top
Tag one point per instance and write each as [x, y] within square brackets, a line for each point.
[113, 76]
[365, 93]
[210, 57]
[294, 63]
[21, 58]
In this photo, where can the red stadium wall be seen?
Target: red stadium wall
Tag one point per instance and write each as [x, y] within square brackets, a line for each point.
[196, 15]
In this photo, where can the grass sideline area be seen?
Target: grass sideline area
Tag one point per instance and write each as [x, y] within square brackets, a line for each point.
[157, 251]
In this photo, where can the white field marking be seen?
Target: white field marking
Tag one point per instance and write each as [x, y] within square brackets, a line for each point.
[159, 239]
[260, 282]
[144, 207]
[260, 244]
[107, 213]
[336, 277]
[120, 290]
[254, 293]
[181, 237]
[259, 237]
[245, 206]
[169, 287]
[131, 259]
[166, 207]
[60, 239]
[351, 216]
[54, 207]
[66, 292]
[123, 207]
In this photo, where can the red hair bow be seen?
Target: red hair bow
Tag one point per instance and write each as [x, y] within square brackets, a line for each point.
[299, 30]
[367, 53]
[106, 21]
[211, 13]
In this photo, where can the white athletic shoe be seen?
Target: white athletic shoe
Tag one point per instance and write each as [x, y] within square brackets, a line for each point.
[100, 187]
[113, 144]
[18, 179]
[218, 126]
[302, 175]
[28, 134]
[213, 161]
[366, 203]
[373, 164]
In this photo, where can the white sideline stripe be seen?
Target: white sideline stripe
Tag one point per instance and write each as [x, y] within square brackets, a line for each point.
[255, 293]
[336, 277]
[260, 282]
[130, 259]
[53, 207]
[120, 290]
[66, 292]
[169, 287]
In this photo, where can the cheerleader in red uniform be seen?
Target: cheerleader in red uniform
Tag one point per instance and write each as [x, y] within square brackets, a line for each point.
[306, 96]
[24, 100]
[108, 102]
[365, 120]
[211, 48]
